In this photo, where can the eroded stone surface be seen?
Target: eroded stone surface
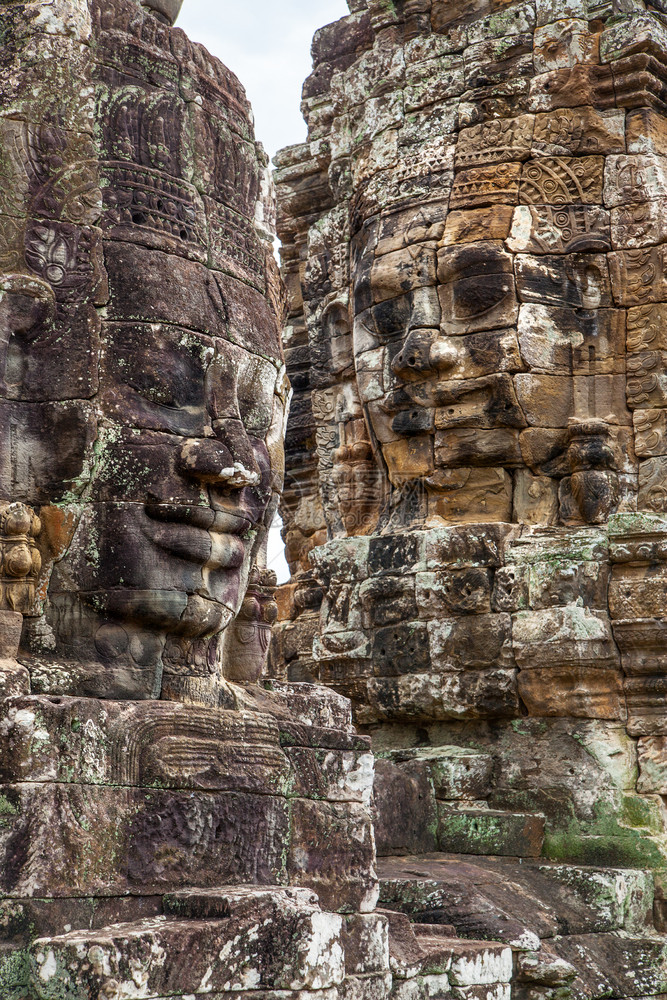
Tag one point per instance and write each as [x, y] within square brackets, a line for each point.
[473, 248]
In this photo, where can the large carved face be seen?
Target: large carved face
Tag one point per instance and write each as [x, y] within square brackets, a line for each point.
[143, 391]
[499, 249]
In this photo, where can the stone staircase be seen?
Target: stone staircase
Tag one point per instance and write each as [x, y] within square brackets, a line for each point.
[265, 943]
[205, 942]
[441, 794]
[430, 961]
[576, 932]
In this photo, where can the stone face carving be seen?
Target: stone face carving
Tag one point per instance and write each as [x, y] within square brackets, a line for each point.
[167, 391]
[481, 188]
[142, 415]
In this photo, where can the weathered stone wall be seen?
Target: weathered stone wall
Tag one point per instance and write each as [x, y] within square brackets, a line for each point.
[162, 814]
[474, 503]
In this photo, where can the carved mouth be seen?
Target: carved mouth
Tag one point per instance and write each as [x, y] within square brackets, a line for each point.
[202, 535]
[219, 521]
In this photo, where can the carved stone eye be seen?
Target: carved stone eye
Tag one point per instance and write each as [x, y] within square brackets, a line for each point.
[477, 288]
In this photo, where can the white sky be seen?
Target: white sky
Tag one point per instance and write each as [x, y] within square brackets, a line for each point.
[267, 44]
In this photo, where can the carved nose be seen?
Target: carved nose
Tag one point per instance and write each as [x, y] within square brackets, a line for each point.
[227, 460]
[414, 358]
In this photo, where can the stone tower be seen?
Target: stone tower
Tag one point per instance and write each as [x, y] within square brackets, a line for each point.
[162, 814]
[475, 508]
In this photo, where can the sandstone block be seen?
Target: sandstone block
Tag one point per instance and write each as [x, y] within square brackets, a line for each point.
[638, 276]
[401, 648]
[572, 87]
[634, 178]
[651, 495]
[396, 273]
[645, 330]
[466, 308]
[652, 759]
[471, 496]
[650, 427]
[646, 132]
[545, 399]
[487, 831]
[576, 280]
[375, 986]
[366, 943]
[497, 184]
[632, 963]
[563, 582]
[344, 876]
[455, 772]
[645, 698]
[485, 402]
[511, 588]
[405, 955]
[638, 592]
[86, 741]
[474, 642]
[337, 776]
[408, 459]
[460, 548]
[396, 553]
[538, 545]
[640, 641]
[535, 498]
[461, 446]
[479, 694]
[412, 696]
[562, 636]
[221, 951]
[547, 229]
[563, 44]
[562, 181]
[636, 225]
[388, 599]
[405, 814]
[454, 592]
[494, 142]
[621, 39]
[571, 341]
[477, 963]
[572, 691]
[475, 224]
[146, 841]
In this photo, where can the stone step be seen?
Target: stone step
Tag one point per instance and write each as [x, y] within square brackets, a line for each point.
[614, 964]
[446, 965]
[518, 902]
[490, 831]
[267, 939]
[457, 773]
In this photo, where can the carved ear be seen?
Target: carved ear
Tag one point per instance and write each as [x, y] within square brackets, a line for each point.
[26, 304]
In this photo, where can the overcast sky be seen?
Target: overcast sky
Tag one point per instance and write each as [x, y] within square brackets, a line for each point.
[267, 44]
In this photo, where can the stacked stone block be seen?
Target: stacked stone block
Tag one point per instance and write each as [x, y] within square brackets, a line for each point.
[478, 206]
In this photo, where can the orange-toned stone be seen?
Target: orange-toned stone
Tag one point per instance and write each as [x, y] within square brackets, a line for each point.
[576, 131]
[469, 225]
[500, 140]
[578, 692]
[466, 496]
[409, 458]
